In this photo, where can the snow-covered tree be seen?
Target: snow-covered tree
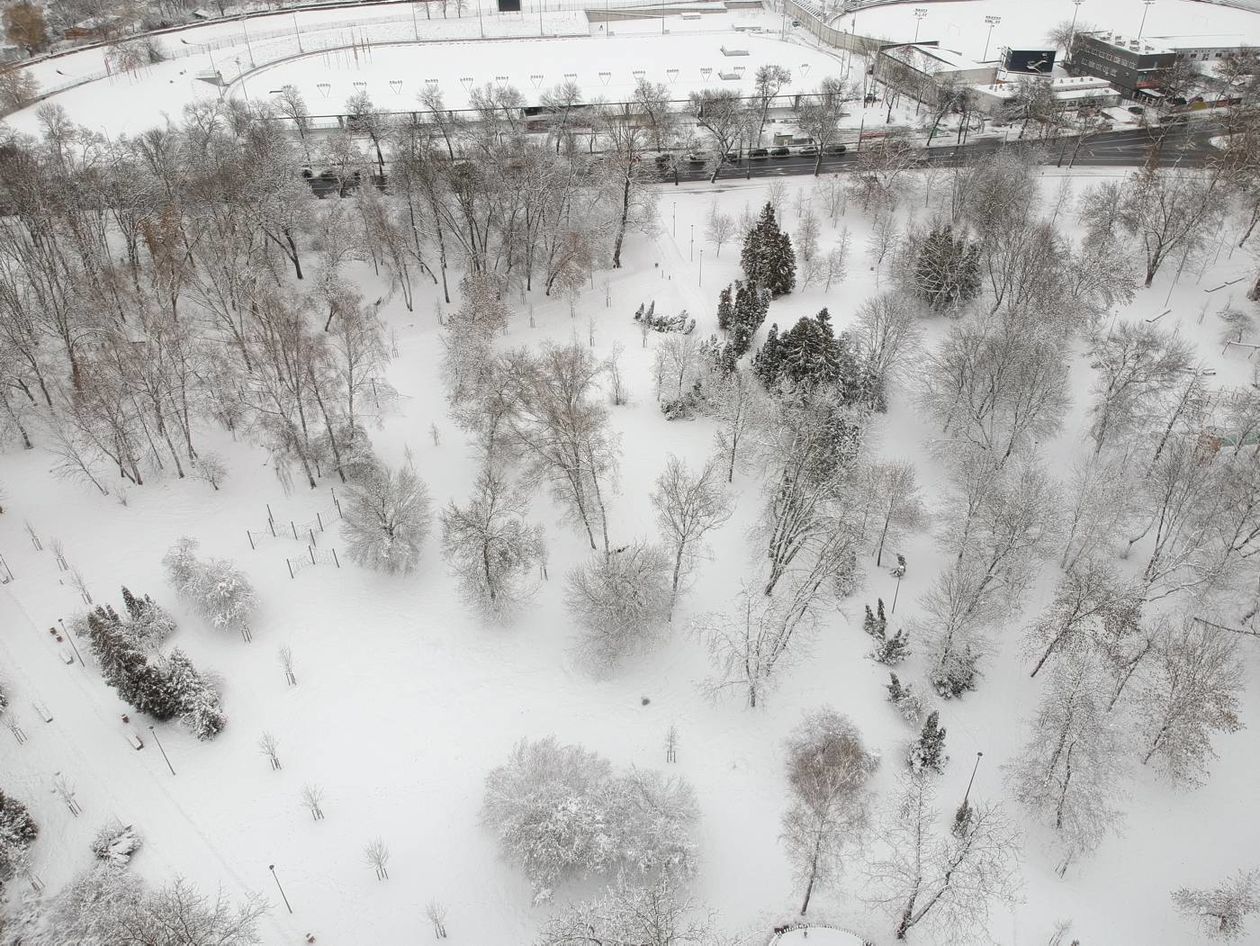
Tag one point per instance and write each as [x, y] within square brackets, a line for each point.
[658, 914]
[619, 600]
[1189, 692]
[1137, 366]
[828, 768]
[115, 843]
[945, 269]
[767, 258]
[927, 753]
[808, 355]
[1072, 769]
[195, 699]
[688, 506]
[1222, 911]
[150, 625]
[18, 832]
[561, 812]
[214, 587]
[929, 876]
[386, 518]
[490, 547]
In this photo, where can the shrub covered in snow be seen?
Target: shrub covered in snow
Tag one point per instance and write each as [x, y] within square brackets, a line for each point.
[115, 843]
[562, 812]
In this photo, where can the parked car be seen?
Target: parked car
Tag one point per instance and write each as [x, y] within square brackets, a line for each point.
[758, 154]
[732, 157]
[835, 149]
[809, 151]
[663, 161]
[780, 152]
[1136, 110]
[695, 158]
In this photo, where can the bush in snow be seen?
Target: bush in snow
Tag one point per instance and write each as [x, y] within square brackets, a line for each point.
[927, 754]
[18, 831]
[955, 673]
[562, 812]
[215, 587]
[386, 518]
[618, 599]
[115, 843]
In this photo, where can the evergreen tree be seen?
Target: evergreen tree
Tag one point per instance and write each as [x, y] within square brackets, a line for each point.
[748, 314]
[18, 831]
[868, 622]
[890, 650]
[946, 269]
[725, 309]
[767, 257]
[904, 698]
[928, 753]
[807, 355]
[193, 698]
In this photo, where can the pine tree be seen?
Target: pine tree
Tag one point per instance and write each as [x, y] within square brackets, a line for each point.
[928, 753]
[868, 622]
[748, 314]
[18, 831]
[946, 269]
[192, 697]
[891, 650]
[809, 354]
[767, 257]
[904, 699]
[725, 309]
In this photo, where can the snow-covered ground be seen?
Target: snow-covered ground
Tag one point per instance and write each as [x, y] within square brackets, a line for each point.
[603, 66]
[405, 700]
[1024, 24]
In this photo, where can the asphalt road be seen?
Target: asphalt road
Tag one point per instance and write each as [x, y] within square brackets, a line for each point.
[1185, 145]
[1182, 145]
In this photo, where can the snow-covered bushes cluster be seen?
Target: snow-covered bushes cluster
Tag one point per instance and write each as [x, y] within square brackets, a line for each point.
[164, 686]
[215, 588]
[562, 812]
[115, 843]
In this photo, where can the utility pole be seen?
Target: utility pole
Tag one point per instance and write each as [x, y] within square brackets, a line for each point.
[967, 793]
[162, 750]
[1072, 29]
[272, 868]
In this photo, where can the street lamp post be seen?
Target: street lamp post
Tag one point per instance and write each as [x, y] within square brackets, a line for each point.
[73, 645]
[674, 221]
[1076, 4]
[700, 281]
[415, 29]
[919, 14]
[992, 21]
[248, 48]
[691, 251]
[1146, 8]
[162, 750]
[298, 30]
[967, 793]
[272, 868]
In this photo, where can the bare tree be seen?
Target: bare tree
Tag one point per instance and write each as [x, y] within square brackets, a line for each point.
[1169, 210]
[377, 855]
[897, 503]
[268, 746]
[943, 880]
[1090, 606]
[818, 114]
[435, 912]
[718, 228]
[1103, 498]
[619, 600]
[688, 507]
[827, 767]
[739, 404]
[491, 548]
[1071, 770]
[1138, 365]
[286, 662]
[654, 915]
[720, 112]
[312, 800]
[386, 518]
[1222, 911]
[1189, 692]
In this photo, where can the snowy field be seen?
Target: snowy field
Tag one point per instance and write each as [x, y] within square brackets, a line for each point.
[1024, 23]
[405, 700]
[602, 66]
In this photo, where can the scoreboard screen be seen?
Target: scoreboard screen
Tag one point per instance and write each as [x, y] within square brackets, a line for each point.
[1039, 61]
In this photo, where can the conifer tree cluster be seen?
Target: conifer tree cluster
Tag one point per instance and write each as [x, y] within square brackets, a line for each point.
[887, 650]
[902, 696]
[742, 310]
[18, 831]
[767, 258]
[165, 687]
[946, 269]
[808, 355]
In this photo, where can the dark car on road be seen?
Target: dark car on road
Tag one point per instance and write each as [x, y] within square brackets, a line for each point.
[780, 152]
[758, 154]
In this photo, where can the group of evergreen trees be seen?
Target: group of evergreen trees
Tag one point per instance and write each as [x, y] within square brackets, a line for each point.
[18, 831]
[740, 315]
[946, 269]
[165, 687]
